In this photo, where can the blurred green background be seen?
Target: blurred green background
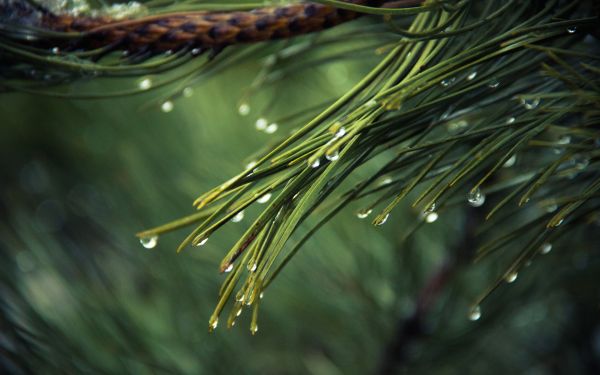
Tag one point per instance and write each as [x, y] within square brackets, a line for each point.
[81, 295]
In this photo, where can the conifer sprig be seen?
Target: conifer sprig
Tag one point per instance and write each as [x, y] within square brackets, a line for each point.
[463, 94]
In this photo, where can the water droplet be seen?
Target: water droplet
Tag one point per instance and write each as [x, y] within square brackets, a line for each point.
[252, 267]
[244, 109]
[251, 165]
[475, 313]
[580, 161]
[476, 198]
[149, 242]
[551, 208]
[558, 223]
[264, 199]
[564, 140]
[510, 161]
[510, 120]
[511, 277]
[472, 76]
[253, 328]
[382, 220]
[55, 50]
[530, 103]
[261, 124]
[202, 242]
[167, 106]
[332, 155]
[572, 29]
[238, 217]
[371, 103]
[494, 84]
[385, 181]
[315, 163]
[213, 323]
[187, 92]
[261, 295]
[448, 81]
[340, 133]
[240, 297]
[196, 51]
[145, 84]
[431, 217]
[272, 128]
[229, 268]
[545, 248]
[364, 213]
[239, 312]
[456, 126]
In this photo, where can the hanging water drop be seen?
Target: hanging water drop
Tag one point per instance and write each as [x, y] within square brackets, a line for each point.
[239, 312]
[472, 76]
[456, 126]
[261, 295]
[55, 50]
[558, 223]
[385, 181]
[510, 120]
[244, 109]
[475, 313]
[253, 328]
[213, 323]
[202, 242]
[530, 103]
[196, 51]
[145, 84]
[382, 220]
[251, 165]
[340, 132]
[272, 128]
[229, 268]
[149, 242]
[476, 198]
[167, 106]
[448, 81]
[264, 199]
[545, 248]
[332, 155]
[371, 103]
[238, 217]
[252, 267]
[511, 277]
[364, 213]
[572, 29]
[580, 161]
[510, 161]
[431, 217]
[314, 163]
[564, 140]
[187, 92]
[494, 84]
[261, 124]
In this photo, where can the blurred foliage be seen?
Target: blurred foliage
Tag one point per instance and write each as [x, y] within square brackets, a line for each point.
[79, 294]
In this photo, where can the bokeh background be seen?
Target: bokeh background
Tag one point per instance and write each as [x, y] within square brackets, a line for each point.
[79, 294]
